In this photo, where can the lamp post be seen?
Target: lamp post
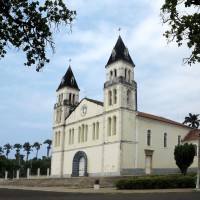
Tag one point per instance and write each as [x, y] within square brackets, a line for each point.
[198, 160]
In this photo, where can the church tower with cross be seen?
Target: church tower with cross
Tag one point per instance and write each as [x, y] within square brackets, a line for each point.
[120, 88]
[67, 97]
[111, 138]
[67, 100]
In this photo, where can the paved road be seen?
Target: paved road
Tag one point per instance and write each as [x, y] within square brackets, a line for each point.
[10, 194]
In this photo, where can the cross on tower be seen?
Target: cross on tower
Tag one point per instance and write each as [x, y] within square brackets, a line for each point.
[70, 61]
[119, 29]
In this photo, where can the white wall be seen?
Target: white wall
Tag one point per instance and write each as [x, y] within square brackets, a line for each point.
[163, 157]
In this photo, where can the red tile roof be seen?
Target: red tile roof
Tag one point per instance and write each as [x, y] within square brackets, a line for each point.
[162, 119]
[192, 135]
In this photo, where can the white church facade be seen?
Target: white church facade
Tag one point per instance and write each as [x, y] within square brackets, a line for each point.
[112, 138]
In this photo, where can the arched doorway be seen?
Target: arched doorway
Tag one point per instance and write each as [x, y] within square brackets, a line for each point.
[79, 165]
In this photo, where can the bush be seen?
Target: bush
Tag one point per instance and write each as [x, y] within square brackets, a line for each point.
[157, 182]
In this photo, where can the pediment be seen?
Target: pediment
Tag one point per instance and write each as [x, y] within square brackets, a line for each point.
[87, 108]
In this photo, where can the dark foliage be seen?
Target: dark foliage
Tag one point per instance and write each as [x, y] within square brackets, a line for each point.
[29, 25]
[157, 182]
[184, 25]
[184, 156]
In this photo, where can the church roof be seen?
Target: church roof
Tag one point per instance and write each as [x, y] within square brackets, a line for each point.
[68, 80]
[162, 119]
[120, 52]
[95, 101]
[192, 135]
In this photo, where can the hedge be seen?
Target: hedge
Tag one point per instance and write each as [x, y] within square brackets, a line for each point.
[157, 182]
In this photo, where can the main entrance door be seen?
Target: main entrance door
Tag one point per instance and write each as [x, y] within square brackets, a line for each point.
[81, 166]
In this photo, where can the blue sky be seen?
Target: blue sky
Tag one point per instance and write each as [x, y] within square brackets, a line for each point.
[165, 87]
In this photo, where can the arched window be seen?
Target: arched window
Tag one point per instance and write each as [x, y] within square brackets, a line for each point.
[97, 130]
[114, 125]
[72, 139]
[115, 95]
[110, 98]
[60, 98]
[70, 136]
[179, 140]
[111, 75]
[72, 80]
[73, 99]
[60, 115]
[129, 76]
[86, 133]
[115, 73]
[149, 138]
[125, 73]
[109, 126]
[82, 133]
[165, 140]
[70, 98]
[79, 134]
[93, 131]
[128, 97]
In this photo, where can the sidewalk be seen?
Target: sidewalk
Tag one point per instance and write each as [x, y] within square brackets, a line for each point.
[100, 191]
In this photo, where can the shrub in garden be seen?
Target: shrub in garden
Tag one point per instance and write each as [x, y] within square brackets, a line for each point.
[157, 182]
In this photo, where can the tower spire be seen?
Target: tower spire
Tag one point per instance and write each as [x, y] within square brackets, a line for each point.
[120, 52]
[68, 80]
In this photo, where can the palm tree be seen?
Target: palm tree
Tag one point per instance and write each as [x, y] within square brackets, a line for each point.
[37, 145]
[7, 148]
[1, 151]
[49, 142]
[192, 120]
[27, 147]
[17, 146]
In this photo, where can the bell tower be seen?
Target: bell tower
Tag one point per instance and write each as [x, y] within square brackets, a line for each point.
[67, 97]
[120, 89]
[120, 105]
[67, 100]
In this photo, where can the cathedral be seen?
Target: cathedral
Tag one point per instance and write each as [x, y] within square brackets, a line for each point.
[112, 138]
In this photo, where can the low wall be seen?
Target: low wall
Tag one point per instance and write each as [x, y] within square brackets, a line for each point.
[83, 182]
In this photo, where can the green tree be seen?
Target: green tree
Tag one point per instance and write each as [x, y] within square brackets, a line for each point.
[7, 148]
[192, 120]
[29, 26]
[1, 151]
[37, 145]
[49, 142]
[184, 25]
[2, 165]
[28, 148]
[184, 156]
[17, 146]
